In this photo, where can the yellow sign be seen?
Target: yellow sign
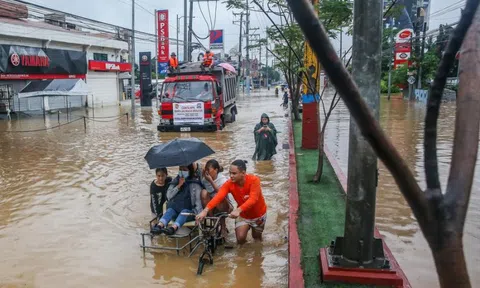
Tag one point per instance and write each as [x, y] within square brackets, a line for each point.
[311, 79]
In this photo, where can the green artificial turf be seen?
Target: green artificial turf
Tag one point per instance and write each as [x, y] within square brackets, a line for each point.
[321, 212]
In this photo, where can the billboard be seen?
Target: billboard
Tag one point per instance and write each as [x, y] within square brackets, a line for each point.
[216, 39]
[162, 30]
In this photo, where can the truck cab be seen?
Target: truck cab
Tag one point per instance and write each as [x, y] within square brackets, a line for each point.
[193, 100]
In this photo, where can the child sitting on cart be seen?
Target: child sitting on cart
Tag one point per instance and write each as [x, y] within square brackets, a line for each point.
[183, 197]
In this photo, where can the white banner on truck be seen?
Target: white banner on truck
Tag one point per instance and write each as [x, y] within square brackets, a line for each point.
[188, 113]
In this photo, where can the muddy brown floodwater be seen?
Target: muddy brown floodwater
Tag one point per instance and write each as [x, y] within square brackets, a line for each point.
[403, 122]
[73, 204]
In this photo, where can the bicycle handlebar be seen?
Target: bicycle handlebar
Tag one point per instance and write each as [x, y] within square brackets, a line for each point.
[217, 218]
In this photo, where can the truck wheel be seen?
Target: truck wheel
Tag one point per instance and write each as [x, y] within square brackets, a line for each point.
[233, 118]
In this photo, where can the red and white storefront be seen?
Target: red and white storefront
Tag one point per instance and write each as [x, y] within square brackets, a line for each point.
[103, 77]
[31, 51]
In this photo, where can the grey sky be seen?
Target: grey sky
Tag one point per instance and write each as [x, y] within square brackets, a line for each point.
[119, 12]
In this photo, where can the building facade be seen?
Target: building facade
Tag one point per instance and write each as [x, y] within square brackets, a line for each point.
[42, 50]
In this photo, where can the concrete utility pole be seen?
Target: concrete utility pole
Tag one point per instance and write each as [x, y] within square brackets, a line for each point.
[341, 48]
[266, 57]
[132, 58]
[418, 28]
[239, 42]
[390, 66]
[358, 243]
[189, 53]
[422, 49]
[247, 82]
[185, 39]
[178, 32]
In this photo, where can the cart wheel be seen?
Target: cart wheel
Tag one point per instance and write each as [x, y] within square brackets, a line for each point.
[200, 267]
[201, 264]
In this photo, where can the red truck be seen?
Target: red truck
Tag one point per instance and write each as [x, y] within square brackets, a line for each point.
[193, 100]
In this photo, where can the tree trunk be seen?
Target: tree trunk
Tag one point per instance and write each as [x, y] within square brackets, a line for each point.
[321, 154]
[295, 98]
[451, 266]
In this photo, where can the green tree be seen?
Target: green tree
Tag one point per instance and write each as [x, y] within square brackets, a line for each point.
[287, 39]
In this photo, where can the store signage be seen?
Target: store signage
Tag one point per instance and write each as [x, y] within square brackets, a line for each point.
[162, 30]
[29, 60]
[34, 60]
[404, 35]
[109, 66]
[145, 78]
[216, 39]
[188, 113]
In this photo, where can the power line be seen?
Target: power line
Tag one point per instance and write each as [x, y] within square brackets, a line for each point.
[42, 10]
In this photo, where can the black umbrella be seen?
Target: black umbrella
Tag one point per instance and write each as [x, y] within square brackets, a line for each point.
[178, 152]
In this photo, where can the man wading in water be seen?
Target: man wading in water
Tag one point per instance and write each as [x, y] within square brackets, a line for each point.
[252, 209]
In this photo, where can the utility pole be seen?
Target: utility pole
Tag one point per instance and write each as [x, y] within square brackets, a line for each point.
[341, 48]
[247, 84]
[178, 32]
[422, 53]
[185, 39]
[189, 53]
[240, 41]
[390, 66]
[418, 26]
[266, 57]
[358, 241]
[132, 58]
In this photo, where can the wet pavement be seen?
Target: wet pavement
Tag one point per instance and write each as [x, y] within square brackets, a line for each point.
[403, 121]
[73, 203]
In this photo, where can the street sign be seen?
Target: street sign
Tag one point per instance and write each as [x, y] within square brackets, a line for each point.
[411, 80]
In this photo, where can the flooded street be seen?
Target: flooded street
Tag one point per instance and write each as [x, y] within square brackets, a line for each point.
[73, 203]
[403, 122]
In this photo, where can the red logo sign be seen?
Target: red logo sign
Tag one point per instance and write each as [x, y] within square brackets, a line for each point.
[405, 34]
[162, 30]
[15, 59]
[29, 60]
[109, 66]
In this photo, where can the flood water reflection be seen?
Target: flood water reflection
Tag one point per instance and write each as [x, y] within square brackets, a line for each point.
[73, 203]
[403, 122]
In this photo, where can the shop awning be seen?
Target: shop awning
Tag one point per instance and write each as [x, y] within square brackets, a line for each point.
[54, 87]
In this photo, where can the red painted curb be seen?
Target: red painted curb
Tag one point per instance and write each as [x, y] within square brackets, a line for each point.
[295, 272]
[343, 182]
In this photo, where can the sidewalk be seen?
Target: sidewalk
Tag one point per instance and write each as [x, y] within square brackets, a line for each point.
[321, 211]
[317, 214]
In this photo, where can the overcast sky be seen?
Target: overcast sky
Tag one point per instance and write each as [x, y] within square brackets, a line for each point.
[118, 12]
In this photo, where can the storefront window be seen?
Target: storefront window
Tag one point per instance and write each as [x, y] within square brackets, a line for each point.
[100, 57]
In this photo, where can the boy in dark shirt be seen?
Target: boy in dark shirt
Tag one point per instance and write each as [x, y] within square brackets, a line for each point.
[158, 191]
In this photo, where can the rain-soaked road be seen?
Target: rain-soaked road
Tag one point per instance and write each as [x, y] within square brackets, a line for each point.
[73, 204]
[403, 122]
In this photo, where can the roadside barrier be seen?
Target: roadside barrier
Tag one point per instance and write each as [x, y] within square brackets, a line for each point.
[84, 118]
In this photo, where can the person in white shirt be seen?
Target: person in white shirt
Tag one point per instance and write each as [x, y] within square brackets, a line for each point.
[212, 180]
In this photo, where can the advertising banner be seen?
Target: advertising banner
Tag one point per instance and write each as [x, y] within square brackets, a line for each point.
[188, 113]
[109, 66]
[216, 39]
[145, 78]
[162, 30]
[32, 60]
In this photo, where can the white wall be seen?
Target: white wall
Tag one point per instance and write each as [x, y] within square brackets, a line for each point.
[57, 35]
